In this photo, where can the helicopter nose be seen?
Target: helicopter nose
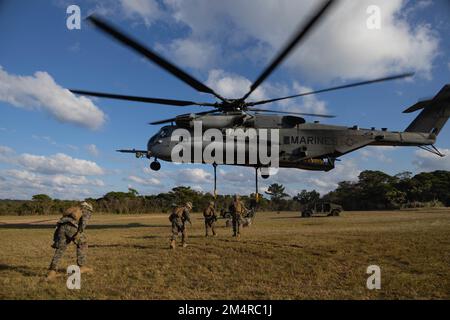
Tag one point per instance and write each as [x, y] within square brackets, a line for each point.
[149, 146]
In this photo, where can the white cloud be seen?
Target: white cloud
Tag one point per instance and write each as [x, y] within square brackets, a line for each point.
[379, 153]
[4, 150]
[238, 174]
[74, 48]
[5, 153]
[147, 10]
[191, 52]
[426, 161]
[241, 180]
[45, 138]
[57, 180]
[309, 104]
[235, 86]
[145, 181]
[41, 92]
[59, 163]
[194, 176]
[136, 11]
[323, 182]
[58, 175]
[93, 150]
[175, 175]
[22, 184]
[341, 48]
[232, 85]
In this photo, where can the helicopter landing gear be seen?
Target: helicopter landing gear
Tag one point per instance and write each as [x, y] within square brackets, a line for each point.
[265, 172]
[155, 165]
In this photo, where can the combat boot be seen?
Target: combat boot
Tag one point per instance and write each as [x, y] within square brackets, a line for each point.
[51, 275]
[85, 269]
[172, 244]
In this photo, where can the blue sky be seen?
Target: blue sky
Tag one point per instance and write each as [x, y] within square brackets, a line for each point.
[57, 143]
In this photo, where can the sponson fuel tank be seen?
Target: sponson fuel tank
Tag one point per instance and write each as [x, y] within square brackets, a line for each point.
[230, 120]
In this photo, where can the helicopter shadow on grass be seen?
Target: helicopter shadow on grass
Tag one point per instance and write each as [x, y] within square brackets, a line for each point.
[149, 237]
[259, 243]
[299, 217]
[121, 245]
[24, 270]
[90, 227]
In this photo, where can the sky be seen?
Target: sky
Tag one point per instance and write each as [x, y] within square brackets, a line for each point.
[57, 143]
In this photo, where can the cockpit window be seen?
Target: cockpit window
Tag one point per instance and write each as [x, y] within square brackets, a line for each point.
[164, 132]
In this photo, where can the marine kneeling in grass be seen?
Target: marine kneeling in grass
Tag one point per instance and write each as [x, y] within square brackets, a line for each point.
[71, 228]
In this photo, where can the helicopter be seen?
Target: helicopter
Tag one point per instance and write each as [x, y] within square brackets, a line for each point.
[301, 144]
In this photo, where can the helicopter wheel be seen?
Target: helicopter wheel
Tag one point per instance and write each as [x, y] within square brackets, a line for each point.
[155, 165]
[265, 176]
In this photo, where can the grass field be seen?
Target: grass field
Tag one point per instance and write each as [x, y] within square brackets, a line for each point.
[281, 256]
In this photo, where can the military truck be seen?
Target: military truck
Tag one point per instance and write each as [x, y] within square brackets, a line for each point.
[321, 208]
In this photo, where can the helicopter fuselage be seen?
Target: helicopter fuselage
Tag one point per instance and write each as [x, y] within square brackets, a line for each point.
[309, 146]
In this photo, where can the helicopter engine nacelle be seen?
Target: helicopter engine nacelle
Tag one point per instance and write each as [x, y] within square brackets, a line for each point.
[210, 121]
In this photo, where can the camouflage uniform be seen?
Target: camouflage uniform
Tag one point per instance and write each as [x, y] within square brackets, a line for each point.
[178, 219]
[68, 230]
[210, 219]
[237, 209]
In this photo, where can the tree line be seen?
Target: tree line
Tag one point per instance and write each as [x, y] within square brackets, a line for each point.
[374, 190]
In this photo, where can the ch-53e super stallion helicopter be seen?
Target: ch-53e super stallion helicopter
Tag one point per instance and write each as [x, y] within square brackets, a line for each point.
[303, 145]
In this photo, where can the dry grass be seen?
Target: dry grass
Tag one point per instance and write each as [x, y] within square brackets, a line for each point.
[280, 256]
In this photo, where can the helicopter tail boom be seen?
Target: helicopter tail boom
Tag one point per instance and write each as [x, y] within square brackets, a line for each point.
[434, 115]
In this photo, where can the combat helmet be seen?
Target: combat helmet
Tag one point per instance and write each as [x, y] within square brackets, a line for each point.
[87, 206]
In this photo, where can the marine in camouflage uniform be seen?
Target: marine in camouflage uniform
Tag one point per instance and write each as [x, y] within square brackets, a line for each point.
[237, 209]
[71, 228]
[178, 218]
[210, 218]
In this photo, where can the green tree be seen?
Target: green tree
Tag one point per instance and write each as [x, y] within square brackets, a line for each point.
[42, 203]
[41, 197]
[276, 193]
[305, 197]
[133, 192]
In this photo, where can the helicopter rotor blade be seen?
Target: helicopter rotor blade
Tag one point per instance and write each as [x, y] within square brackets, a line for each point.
[356, 84]
[152, 56]
[162, 121]
[301, 33]
[170, 102]
[173, 119]
[296, 113]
